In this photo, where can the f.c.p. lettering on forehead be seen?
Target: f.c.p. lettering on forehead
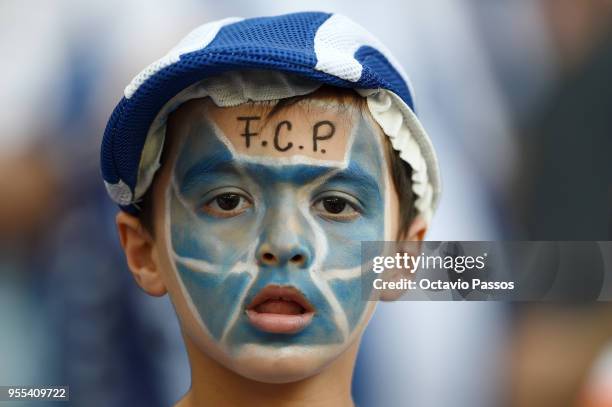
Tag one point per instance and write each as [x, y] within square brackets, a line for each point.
[264, 222]
[311, 134]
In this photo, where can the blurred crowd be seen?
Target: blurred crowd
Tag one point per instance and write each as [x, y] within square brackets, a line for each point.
[516, 97]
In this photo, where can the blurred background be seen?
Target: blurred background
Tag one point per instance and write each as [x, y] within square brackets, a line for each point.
[516, 96]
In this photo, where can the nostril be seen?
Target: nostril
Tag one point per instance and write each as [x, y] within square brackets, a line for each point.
[268, 258]
[283, 258]
[297, 259]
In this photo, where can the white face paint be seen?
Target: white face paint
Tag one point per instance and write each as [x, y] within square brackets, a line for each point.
[264, 228]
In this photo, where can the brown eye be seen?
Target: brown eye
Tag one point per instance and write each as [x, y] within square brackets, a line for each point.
[336, 208]
[334, 205]
[227, 205]
[227, 202]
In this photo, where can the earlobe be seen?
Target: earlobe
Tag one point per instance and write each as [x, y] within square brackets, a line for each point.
[141, 254]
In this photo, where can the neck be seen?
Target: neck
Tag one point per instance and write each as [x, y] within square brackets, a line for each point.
[213, 384]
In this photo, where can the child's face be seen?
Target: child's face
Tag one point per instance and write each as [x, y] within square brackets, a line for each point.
[261, 230]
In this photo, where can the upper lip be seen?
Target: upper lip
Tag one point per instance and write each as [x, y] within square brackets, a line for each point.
[277, 292]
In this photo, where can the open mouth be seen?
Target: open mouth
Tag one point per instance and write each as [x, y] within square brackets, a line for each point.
[280, 309]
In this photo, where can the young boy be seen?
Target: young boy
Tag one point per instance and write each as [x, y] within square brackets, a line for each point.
[250, 163]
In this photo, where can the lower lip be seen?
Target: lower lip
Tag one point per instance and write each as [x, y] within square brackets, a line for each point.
[279, 323]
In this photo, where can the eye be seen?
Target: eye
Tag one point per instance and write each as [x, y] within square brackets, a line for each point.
[336, 208]
[227, 205]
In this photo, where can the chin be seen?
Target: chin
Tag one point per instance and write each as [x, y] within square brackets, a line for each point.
[269, 363]
[284, 364]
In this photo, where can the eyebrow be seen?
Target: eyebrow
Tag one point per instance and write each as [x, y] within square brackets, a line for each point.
[355, 174]
[212, 167]
[218, 164]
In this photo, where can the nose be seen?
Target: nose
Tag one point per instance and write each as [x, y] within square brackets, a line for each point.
[288, 254]
[286, 240]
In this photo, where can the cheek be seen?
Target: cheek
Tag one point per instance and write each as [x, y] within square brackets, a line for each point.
[213, 258]
[220, 242]
[344, 240]
[214, 296]
[342, 267]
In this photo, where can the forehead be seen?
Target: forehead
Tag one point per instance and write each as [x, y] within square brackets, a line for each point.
[205, 143]
[317, 132]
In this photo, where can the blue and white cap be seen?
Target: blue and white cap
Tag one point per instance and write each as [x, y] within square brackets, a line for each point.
[293, 54]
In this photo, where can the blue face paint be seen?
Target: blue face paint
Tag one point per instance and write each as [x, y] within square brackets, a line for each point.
[280, 208]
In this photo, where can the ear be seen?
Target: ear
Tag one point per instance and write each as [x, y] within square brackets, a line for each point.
[141, 254]
[416, 231]
[410, 243]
